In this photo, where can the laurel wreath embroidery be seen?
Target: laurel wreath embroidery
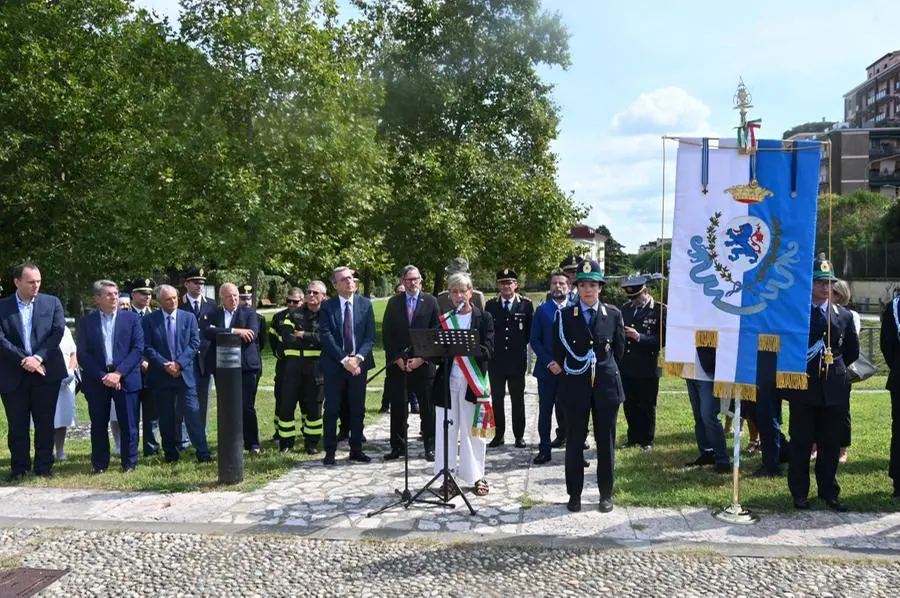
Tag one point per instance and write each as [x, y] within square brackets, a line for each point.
[721, 269]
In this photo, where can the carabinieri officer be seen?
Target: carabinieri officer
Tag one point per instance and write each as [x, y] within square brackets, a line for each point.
[589, 342]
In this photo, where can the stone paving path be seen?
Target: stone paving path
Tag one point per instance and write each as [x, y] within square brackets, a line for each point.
[526, 504]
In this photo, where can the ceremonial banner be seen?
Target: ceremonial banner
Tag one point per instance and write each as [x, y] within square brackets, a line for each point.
[741, 264]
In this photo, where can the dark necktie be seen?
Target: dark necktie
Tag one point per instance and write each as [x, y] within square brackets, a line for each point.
[170, 335]
[817, 319]
[506, 305]
[197, 308]
[348, 329]
[591, 313]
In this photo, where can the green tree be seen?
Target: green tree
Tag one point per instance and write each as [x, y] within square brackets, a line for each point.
[617, 261]
[650, 262]
[468, 123]
[853, 221]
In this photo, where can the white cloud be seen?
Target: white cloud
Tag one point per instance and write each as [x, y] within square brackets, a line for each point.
[662, 111]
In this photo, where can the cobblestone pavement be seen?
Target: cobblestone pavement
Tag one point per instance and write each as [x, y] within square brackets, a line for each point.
[125, 564]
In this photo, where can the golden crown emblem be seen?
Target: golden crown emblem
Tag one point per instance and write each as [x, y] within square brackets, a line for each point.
[750, 193]
[147, 282]
[201, 272]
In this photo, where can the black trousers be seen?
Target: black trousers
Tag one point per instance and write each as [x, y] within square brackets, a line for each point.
[604, 414]
[500, 379]
[419, 381]
[301, 384]
[894, 467]
[640, 408]
[36, 399]
[249, 381]
[149, 421]
[824, 426]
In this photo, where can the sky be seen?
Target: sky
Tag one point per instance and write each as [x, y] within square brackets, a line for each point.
[641, 70]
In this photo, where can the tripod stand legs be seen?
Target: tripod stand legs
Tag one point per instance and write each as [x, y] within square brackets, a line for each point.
[405, 495]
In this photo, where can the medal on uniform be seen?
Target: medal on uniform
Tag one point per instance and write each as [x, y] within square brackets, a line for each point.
[521, 326]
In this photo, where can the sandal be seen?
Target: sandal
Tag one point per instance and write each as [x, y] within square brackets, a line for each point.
[481, 487]
[753, 447]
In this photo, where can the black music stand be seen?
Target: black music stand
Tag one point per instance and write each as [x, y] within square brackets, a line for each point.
[444, 344]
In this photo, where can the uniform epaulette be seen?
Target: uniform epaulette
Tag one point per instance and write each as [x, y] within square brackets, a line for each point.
[523, 297]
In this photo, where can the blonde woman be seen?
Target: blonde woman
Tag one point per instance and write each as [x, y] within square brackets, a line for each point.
[840, 292]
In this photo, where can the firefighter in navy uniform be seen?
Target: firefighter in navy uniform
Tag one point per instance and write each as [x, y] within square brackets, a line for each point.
[300, 380]
[512, 315]
[643, 318]
[819, 413]
[589, 343]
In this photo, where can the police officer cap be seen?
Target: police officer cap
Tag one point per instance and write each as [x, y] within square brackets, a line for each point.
[458, 264]
[143, 285]
[245, 290]
[571, 263]
[634, 284]
[822, 268]
[506, 274]
[198, 274]
[589, 270]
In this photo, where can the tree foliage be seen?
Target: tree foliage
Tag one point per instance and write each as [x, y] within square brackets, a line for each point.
[849, 222]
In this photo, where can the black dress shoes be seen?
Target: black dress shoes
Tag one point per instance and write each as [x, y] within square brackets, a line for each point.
[329, 458]
[497, 441]
[558, 442]
[429, 455]
[414, 407]
[15, 477]
[520, 443]
[836, 505]
[360, 457]
[541, 458]
[586, 463]
[385, 408]
[722, 468]
[703, 459]
[606, 505]
[99, 470]
[801, 504]
[128, 469]
[574, 504]
[205, 459]
[394, 454]
[762, 472]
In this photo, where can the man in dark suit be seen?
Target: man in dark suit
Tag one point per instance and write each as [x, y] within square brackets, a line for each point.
[512, 314]
[110, 348]
[347, 331]
[195, 301]
[589, 343]
[141, 292]
[408, 310]
[31, 368]
[547, 371]
[890, 348]
[644, 321]
[230, 317]
[819, 413]
[171, 341]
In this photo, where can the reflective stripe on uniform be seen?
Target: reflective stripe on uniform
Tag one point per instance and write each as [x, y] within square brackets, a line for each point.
[312, 427]
[292, 352]
[302, 352]
[286, 429]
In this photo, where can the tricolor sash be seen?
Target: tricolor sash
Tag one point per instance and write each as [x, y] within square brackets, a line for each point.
[483, 424]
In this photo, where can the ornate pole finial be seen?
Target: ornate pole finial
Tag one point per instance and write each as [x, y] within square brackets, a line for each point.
[742, 100]
[747, 129]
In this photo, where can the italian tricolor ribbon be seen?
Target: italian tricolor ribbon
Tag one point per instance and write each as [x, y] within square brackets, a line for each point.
[483, 424]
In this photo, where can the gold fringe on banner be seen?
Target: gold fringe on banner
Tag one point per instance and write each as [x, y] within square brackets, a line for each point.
[706, 338]
[679, 369]
[770, 343]
[735, 390]
[791, 380]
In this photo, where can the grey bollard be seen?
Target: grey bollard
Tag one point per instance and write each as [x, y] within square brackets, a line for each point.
[230, 434]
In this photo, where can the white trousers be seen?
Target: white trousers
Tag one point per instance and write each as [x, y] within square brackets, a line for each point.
[466, 453]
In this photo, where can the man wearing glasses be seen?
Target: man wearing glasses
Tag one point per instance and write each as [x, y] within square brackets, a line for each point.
[410, 309]
[296, 333]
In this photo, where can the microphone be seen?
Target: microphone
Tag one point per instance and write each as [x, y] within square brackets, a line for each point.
[459, 307]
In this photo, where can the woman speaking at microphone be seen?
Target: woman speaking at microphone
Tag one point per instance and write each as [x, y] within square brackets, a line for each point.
[467, 383]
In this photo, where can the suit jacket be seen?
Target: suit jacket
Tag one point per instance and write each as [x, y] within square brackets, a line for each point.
[331, 332]
[128, 348]
[204, 320]
[890, 344]
[141, 314]
[833, 387]
[484, 324]
[395, 326]
[641, 356]
[156, 349]
[47, 326]
[244, 317]
[543, 330]
[606, 340]
[512, 331]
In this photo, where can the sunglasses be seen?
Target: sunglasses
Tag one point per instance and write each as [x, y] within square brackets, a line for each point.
[292, 301]
[313, 292]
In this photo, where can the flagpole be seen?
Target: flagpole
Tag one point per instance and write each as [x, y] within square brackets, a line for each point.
[735, 513]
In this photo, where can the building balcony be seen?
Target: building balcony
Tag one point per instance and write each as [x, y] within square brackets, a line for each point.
[884, 178]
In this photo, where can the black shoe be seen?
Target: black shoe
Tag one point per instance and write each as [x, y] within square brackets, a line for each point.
[574, 504]
[312, 450]
[329, 458]
[255, 451]
[836, 505]
[99, 470]
[541, 458]
[606, 505]
[801, 504]
[285, 449]
[385, 408]
[762, 472]
[703, 459]
[414, 408]
[497, 441]
[128, 469]
[587, 447]
[15, 477]
[722, 468]
[520, 443]
[586, 463]
[429, 455]
[622, 447]
[394, 454]
[646, 448]
[44, 474]
[204, 459]
[558, 442]
[360, 457]
[151, 452]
